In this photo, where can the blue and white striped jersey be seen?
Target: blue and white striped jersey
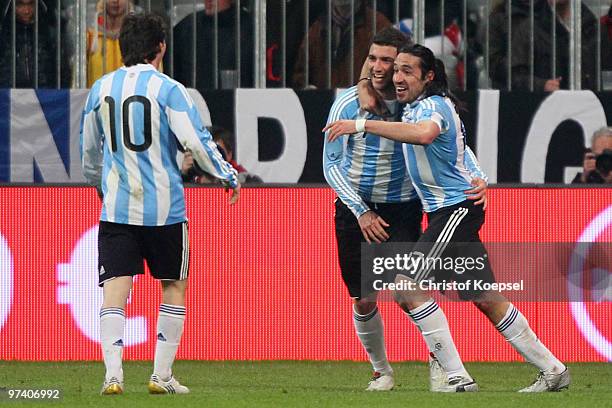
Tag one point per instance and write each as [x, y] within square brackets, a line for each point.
[364, 167]
[442, 170]
[132, 124]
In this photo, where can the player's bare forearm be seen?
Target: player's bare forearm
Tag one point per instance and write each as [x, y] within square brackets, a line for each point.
[369, 99]
[365, 70]
[365, 92]
[422, 133]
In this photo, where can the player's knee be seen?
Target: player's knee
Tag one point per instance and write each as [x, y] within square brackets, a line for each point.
[411, 296]
[175, 285]
[490, 302]
[485, 306]
[116, 292]
[364, 306]
[174, 291]
[490, 307]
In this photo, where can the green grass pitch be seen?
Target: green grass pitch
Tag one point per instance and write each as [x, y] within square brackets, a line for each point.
[303, 384]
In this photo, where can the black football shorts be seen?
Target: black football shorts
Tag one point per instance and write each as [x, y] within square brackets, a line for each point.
[452, 238]
[122, 248]
[404, 221]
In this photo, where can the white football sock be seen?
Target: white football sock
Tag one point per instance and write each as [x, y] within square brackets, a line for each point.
[170, 324]
[370, 330]
[433, 325]
[112, 326]
[515, 328]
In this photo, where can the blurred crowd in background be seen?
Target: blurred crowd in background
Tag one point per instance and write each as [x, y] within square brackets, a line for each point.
[224, 44]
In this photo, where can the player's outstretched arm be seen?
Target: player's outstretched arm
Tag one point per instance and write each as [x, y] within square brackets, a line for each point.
[421, 133]
[185, 122]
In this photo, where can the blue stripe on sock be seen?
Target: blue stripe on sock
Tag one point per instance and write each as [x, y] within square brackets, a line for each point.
[173, 310]
[429, 313]
[425, 312]
[172, 307]
[508, 322]
[365, 318]
[111, 311]
[422, 311]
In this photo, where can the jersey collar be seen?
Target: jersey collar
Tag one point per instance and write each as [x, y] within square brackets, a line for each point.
[139, 68]
[417, 100]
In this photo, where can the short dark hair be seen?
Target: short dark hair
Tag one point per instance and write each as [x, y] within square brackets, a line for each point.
[140, 37]
[390, 36]
[223, 134]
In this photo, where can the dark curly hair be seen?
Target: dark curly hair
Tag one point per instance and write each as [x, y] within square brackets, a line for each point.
[140, 37]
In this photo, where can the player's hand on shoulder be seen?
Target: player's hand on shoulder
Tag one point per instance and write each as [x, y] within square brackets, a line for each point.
[370, 100]
[373, 227]
[478, 193]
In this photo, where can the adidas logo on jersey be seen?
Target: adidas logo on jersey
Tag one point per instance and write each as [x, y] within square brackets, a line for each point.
[161, 337]
[118, 343]
[102, 271]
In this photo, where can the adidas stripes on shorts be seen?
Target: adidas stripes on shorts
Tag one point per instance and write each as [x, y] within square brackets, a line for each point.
[452, 232]
[122, 248]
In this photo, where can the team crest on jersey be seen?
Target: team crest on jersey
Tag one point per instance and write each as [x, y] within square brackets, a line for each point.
[407, 116]
[333, 155]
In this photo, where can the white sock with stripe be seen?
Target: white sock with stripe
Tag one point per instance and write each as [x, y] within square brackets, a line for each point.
[515, 328]
[112, 326]
[170, 324]
[432, 323]
[370, 330]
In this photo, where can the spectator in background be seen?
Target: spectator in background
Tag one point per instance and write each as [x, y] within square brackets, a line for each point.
[448, 43]
[26, 51]
[295, 28]
[340, 45]
[606, 21]
[498, 31]
[103, 53]
[184, 63]
[544, 80]
[225, 143]
[598, 159]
